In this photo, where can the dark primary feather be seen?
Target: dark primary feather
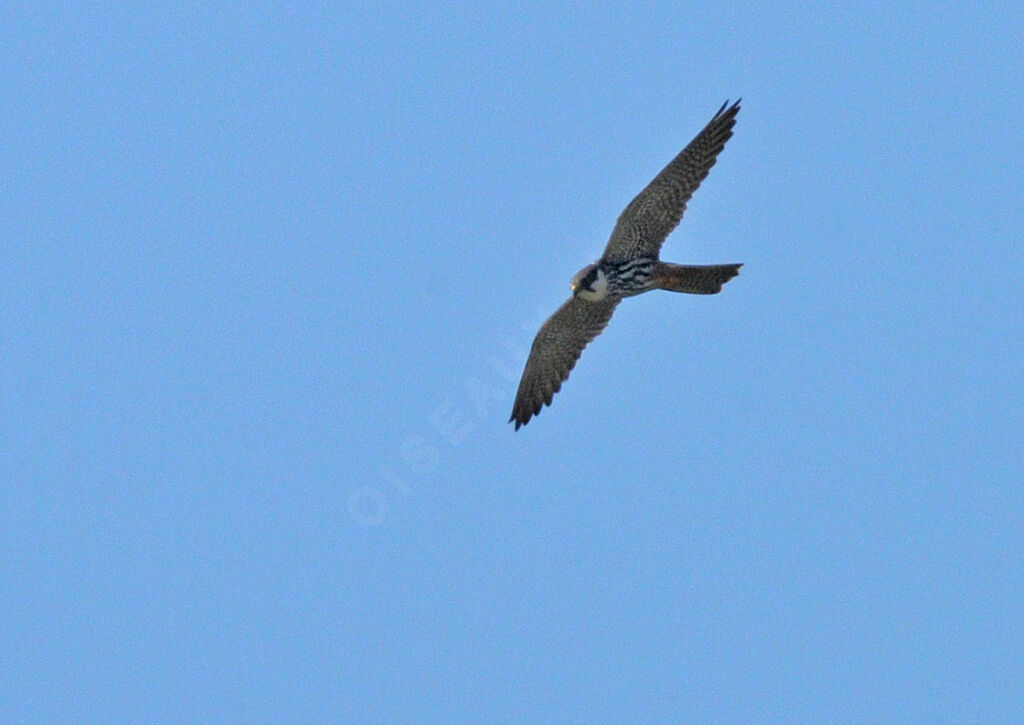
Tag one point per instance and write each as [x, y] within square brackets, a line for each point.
[555, 351]
[643, 225]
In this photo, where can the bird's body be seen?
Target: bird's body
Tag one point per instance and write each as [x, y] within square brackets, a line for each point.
[603, 279]
[629, 266]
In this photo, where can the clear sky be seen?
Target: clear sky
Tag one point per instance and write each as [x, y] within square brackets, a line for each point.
[268, 276]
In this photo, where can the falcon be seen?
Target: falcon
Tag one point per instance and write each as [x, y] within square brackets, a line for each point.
[629, 266]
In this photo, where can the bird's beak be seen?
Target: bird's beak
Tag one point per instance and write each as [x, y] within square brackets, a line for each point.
[573, 286]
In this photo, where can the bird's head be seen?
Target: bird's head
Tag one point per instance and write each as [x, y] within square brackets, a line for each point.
[590, 283]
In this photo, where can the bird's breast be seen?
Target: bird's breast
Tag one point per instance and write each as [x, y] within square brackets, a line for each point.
[630, 278]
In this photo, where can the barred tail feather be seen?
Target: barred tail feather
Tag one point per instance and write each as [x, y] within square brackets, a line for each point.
[695, 279]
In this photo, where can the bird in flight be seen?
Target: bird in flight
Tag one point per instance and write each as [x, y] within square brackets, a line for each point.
[629, 266]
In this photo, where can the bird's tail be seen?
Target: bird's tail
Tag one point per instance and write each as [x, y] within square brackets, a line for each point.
[696, 279]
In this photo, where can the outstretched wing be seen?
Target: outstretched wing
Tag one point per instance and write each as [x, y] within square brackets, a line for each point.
[644, 224]
[555, 351]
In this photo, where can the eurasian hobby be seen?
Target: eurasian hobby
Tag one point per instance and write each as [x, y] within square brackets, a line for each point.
[628, 266]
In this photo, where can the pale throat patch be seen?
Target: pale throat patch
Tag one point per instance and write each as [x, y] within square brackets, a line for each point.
[597, 291]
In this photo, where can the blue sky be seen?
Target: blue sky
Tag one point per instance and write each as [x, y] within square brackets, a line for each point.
[269, 276]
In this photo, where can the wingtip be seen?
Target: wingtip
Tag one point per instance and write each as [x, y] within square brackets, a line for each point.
[726, 108]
